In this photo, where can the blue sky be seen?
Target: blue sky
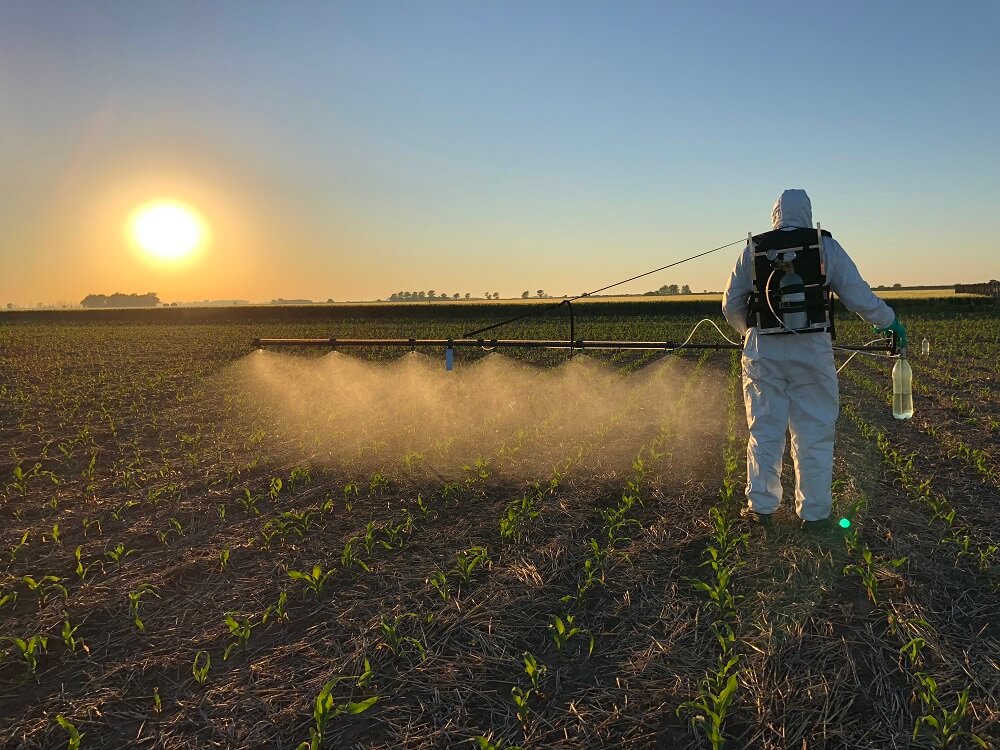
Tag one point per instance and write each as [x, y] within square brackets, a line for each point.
[350, 150]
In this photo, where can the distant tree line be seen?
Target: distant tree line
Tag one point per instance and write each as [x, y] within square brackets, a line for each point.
[540, 294]
[118, 299]
[667, 289]
[427, 296]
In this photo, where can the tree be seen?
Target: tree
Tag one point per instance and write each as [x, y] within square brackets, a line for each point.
[897, 285]
[496, 295]
[119, 299]
[429, 294]
[540, 292]
[686, 289]
[525, 294]
[456, 295]
[467, 295]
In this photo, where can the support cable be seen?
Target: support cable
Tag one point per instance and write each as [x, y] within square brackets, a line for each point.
[547, 308]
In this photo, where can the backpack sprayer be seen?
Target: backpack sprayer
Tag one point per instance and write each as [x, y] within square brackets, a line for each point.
[801, 302]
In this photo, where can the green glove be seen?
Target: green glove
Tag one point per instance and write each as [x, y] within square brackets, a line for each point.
[897, 328]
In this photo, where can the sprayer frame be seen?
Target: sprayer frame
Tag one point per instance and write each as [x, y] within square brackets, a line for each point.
[573, 346]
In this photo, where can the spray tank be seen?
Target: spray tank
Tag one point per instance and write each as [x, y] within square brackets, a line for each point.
[792, 299]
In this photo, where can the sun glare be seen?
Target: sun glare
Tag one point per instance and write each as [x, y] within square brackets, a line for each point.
[167, 230]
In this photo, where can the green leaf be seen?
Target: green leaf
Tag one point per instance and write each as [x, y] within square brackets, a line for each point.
[727, 692]
[360, 706]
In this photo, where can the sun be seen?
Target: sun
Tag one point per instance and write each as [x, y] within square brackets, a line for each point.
[167, 230]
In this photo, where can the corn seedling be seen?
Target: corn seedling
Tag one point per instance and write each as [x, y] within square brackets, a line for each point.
[534, 669]
[564, 630]
[944, 726]
[68, 634]
[912, 649]
[74, 735]
[439, 582]
[202, 663]
[369, 538]
[301, 475]
[267, 532]
[118, 554]
[364, 680]
[349, 559]
[350, 494]
[249, 503]
[470, 559]
[275, 489]
[44, 587]
[12, 553]
[712, 704]
[223, 558]
[486, 743]
[411, 458]
[9, 598]
[423, 506]
[30, 650]
[81, 570]
[477, 472]
[239, 632]
[134, 600]
[324, 709]
[313, 580]
[119, 514]
[378, 484]
[55, 534]
[593, 573]
[88, 522]
[395, 536]
[521, 699]
[23, 478]
[395, 641]
[985, 555]
[520, 513]
[175, 527]
[617, 522]
[276, 610]
[406, 525]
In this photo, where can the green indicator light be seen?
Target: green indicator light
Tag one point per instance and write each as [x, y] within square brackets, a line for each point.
[845, 523]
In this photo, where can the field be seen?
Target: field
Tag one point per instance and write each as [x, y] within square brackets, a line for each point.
[206, 546]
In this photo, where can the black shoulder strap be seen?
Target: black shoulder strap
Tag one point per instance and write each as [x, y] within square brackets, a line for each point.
[782, 239]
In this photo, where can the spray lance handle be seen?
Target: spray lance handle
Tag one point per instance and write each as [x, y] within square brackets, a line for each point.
[897, 333]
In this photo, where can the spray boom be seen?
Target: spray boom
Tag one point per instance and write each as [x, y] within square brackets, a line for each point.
[569, 344]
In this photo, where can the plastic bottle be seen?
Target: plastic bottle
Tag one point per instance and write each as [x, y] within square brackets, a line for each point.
[902, 388]
[925, 347]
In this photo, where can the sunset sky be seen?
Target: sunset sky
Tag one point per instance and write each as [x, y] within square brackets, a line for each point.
[351, 150]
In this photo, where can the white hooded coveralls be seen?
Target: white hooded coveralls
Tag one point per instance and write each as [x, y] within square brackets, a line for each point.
[790, 381]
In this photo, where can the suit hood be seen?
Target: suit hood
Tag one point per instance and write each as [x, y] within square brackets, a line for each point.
[792, 209]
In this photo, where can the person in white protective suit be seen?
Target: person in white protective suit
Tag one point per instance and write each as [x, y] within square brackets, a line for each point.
[790, 380]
